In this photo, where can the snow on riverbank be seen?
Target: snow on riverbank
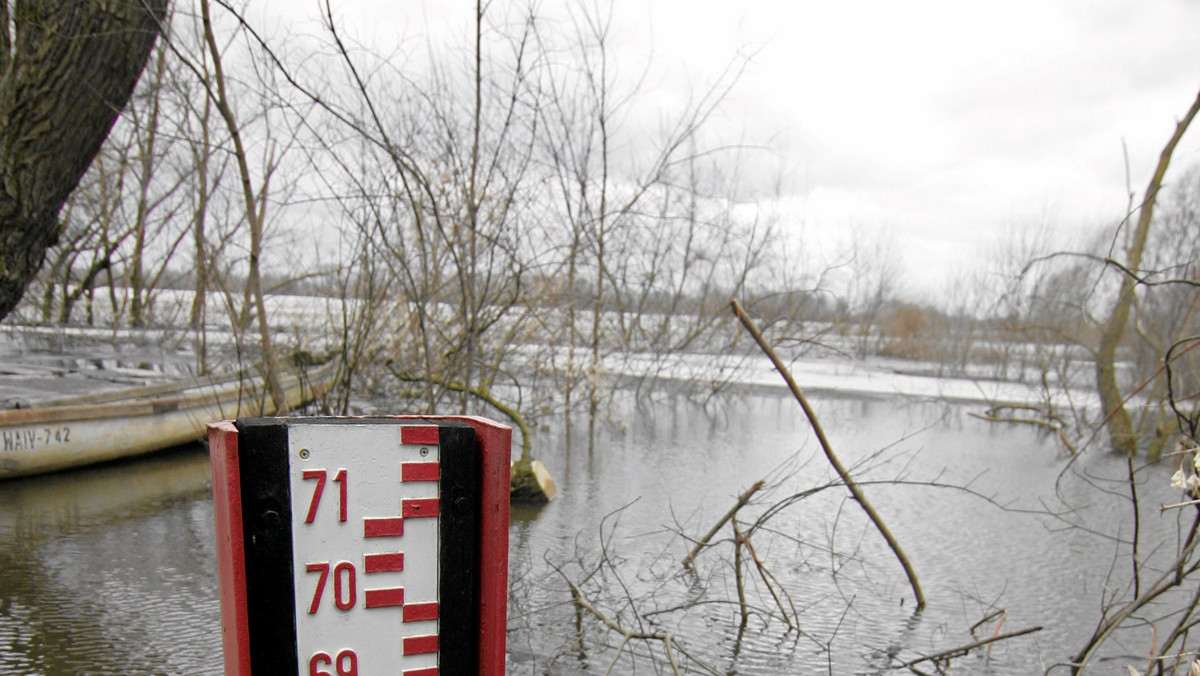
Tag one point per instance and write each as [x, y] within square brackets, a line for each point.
[815, 375]
[312, 322]
[878, 378]
[875, 377]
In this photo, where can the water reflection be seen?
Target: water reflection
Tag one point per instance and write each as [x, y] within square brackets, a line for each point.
[110, 570]
[671, 467]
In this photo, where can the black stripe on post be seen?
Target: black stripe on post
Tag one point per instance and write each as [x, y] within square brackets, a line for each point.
[458, 576]
[267, 529]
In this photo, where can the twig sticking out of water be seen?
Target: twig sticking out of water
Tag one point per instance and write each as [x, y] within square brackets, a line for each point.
[740, 541]
[841, 470]
[772, 583]
[741, 502]
[670, 644]
[943, 658]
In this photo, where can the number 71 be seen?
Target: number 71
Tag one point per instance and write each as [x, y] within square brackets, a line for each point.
[319, 475]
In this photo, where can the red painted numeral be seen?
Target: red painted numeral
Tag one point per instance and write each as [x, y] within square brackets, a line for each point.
[319, 475]
[323, 569]
[340, 480]
[345, 585]
[346, 664]
[315, 663]
[351, 589]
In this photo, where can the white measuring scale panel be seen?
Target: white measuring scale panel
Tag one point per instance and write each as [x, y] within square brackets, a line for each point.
[365, 548]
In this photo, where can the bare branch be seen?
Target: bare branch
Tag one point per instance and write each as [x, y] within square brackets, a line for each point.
[853, 487]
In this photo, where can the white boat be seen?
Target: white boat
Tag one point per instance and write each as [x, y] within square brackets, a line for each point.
[81, 430]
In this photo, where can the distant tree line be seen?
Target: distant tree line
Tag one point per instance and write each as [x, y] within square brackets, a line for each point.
[506, 194]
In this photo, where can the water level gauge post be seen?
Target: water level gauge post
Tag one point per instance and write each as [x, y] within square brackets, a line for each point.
[361, 545]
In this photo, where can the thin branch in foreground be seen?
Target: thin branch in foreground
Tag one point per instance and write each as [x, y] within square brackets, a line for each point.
[769, 579]
[670, 644]
[1177, 505]
[841, 470]
[961, 651]
[741, 502]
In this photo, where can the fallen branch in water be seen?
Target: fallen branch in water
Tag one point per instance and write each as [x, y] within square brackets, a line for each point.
[741, 502]
[1052, 426]
[670, 644]
[841, 470]
[1050, 421]
[962, 651]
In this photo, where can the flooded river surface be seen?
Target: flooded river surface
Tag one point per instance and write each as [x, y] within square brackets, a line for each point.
[112, 570]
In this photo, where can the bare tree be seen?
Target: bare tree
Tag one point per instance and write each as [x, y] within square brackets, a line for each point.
[66, 70]
[637, 243]
[1120, 428]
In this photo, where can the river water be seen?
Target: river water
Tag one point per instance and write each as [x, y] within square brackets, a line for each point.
[111, 570]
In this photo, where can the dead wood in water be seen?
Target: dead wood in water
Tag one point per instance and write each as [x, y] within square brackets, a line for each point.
[670, 643]
[1043, 418]
[741, 502]
[772, 583]
[841, 470]
[942, 659]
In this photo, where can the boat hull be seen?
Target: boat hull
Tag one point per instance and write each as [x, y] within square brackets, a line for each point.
[67, 435]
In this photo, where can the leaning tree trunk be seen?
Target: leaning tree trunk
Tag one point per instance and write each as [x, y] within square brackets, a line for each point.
[67, 68]
[1120, 429]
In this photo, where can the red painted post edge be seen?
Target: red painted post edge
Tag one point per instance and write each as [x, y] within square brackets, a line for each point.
[231, 561]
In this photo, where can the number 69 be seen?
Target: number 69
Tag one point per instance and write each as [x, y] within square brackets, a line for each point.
[346, 664]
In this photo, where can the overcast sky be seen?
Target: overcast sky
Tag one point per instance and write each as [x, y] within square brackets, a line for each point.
[943, 123]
